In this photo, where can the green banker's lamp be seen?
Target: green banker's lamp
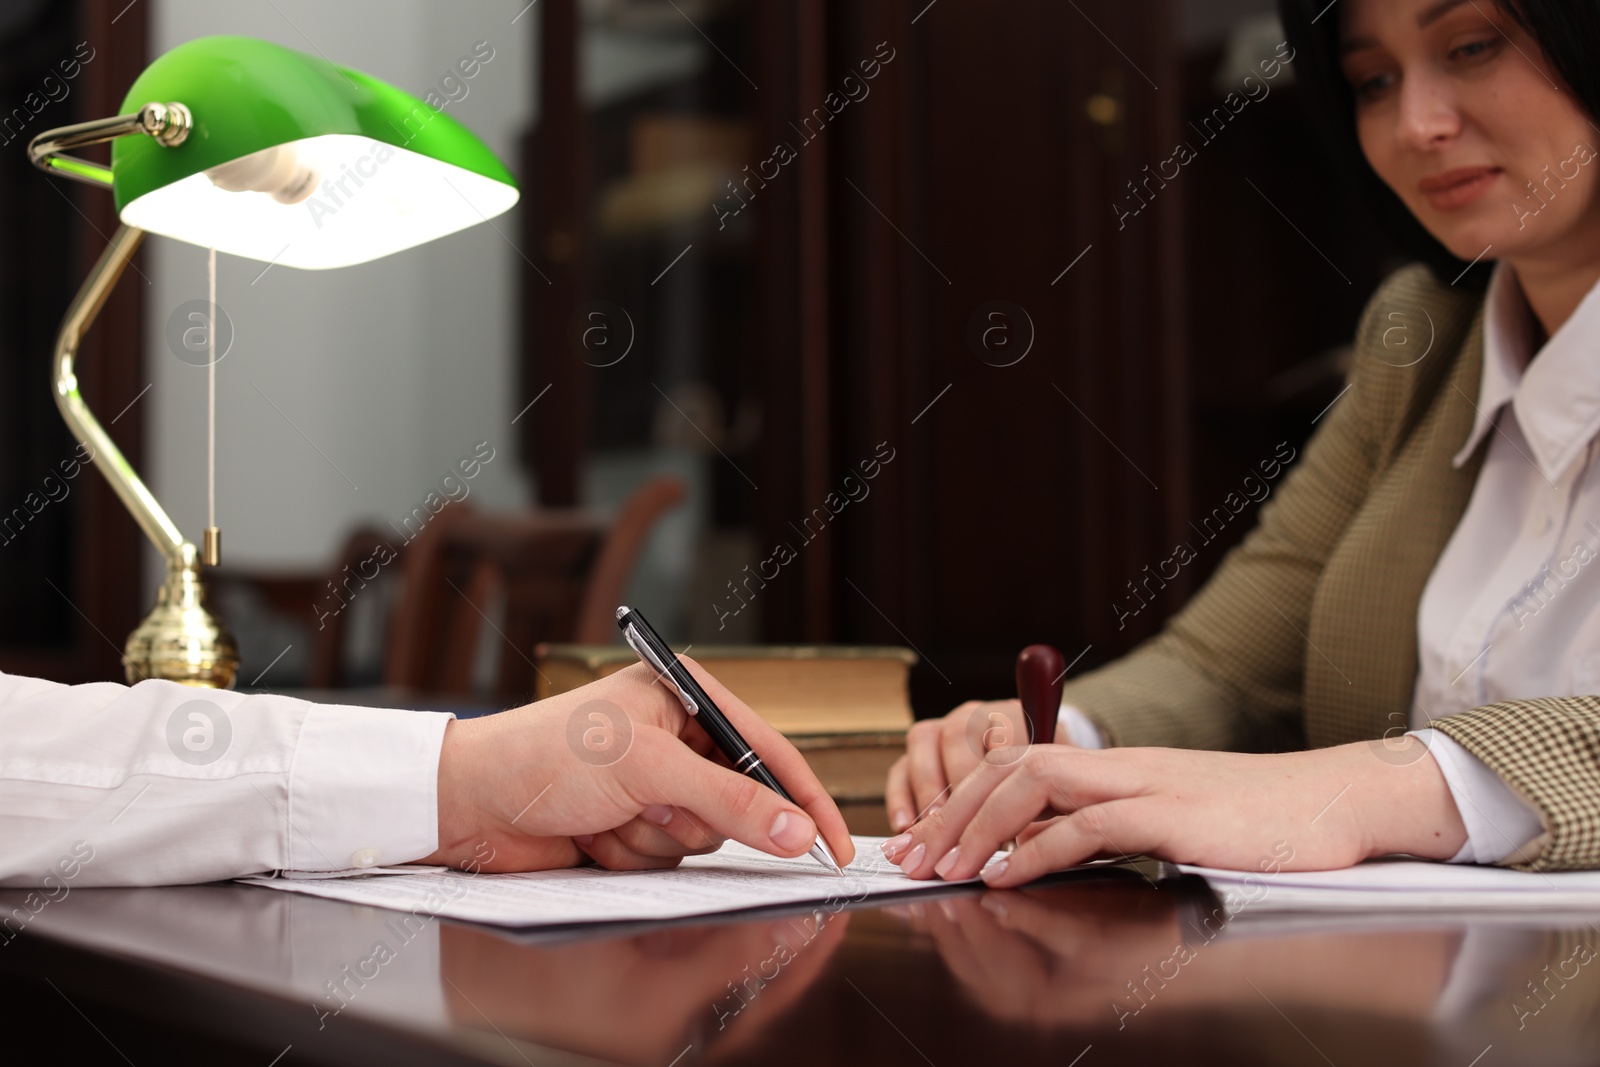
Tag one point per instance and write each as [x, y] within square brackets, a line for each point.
[254, 149]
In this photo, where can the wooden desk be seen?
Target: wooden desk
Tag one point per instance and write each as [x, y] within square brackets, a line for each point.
[229, 973]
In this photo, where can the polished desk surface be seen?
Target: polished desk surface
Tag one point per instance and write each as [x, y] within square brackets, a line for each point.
[1044, 975]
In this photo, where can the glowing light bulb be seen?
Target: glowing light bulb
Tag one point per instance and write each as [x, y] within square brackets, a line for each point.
[277, 171]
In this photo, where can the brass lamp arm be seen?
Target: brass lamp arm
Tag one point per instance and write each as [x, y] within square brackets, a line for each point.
[180, 639]
[135, 496]
[169, 124]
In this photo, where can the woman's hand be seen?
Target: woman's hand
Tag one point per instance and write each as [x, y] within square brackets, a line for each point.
[941, 752]
[618, 772]
[1316, 810]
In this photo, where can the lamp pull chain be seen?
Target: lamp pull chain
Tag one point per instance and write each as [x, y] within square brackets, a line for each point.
[211, 553]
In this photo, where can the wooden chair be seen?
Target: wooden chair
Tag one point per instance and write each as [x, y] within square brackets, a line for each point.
[560, 574]
[327, 667]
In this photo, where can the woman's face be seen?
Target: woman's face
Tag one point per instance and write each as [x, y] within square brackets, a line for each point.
[1458, 111]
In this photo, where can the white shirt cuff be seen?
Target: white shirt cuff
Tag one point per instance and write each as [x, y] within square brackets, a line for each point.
[1499, 822]
[1081, 730]
[363, 790]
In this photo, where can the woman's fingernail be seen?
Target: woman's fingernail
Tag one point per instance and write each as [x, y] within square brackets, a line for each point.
[994, 870]
[913, 861]
[789, 832]
[901, 820]
[584, 839]
[894, 846]
[946, 865]
[659, 814]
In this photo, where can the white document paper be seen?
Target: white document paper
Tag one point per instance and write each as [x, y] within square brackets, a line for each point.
[358, 872]
[1400, 885]
[733, 878]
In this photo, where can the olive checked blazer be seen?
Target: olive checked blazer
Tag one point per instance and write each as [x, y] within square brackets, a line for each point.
[1306, 636]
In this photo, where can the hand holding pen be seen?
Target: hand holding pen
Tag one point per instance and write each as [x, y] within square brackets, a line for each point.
[649, 646]
[618, 773]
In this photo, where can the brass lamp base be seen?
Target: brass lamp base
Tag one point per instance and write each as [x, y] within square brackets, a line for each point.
[181, 640]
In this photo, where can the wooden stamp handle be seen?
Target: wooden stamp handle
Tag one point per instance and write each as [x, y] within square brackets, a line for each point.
[1039, 681]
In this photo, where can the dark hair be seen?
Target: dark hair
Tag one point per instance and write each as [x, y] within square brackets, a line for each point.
[1567, 32]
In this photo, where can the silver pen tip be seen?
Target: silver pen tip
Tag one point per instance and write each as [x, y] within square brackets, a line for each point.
[820, 853]
[623, 610]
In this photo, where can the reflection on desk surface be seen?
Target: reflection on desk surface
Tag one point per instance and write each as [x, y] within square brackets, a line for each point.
[1110, 962]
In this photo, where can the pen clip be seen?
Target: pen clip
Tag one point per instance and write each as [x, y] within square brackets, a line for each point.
[631, 635]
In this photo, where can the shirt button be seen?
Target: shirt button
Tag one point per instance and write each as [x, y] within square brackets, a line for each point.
[1540, 526]
[367, 857]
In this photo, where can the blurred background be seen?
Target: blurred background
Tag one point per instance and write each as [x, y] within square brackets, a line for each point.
[819, 321]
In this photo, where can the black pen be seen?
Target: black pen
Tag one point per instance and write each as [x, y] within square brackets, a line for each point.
[654, 651]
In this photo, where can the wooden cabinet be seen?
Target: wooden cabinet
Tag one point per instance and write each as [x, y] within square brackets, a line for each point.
[989, 332]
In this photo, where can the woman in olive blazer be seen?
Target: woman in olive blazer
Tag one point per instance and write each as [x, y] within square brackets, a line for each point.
[1307, 637]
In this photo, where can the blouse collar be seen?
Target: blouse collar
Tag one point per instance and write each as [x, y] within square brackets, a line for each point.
[1556, 396]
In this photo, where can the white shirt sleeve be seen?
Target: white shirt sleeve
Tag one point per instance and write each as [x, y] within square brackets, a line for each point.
[1499, 822]
[163, 784]
[1081, 730]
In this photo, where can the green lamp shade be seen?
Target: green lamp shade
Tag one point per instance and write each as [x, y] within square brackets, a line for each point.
[296, 161]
